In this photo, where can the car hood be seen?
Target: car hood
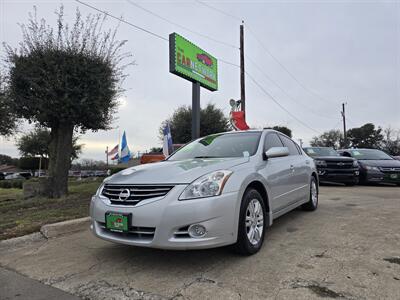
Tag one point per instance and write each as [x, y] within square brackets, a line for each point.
[380, 163]
[334, 158]
[173, 172]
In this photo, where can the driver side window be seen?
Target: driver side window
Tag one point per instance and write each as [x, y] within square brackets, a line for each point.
[272, 140]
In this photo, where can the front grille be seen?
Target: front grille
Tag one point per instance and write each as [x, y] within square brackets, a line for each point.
[135, 232]
[340, 164]
[118, 194]
[388, 169]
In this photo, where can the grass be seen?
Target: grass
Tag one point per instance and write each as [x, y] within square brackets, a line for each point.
[21, 216]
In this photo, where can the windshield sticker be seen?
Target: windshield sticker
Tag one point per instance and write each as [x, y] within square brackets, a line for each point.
[246, 154]
[209, 139]
[354, 152]
[310, 151]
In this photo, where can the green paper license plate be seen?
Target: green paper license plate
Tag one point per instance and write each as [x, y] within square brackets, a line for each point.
[117, 222]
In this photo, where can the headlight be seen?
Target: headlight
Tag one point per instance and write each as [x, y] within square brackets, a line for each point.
[208, 185]
[355, 163]
[369, 168]
[320, 163]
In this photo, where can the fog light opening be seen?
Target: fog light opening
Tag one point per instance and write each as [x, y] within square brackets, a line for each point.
[197, 231]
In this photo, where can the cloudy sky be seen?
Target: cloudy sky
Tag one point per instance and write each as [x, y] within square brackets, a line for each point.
[323, 53]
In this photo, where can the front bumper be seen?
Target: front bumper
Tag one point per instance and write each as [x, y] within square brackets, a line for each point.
[163, 222]
[338, 175]
[384, 177]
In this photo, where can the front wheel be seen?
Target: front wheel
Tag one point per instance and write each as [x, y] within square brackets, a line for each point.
[252, 223]
[312, 204]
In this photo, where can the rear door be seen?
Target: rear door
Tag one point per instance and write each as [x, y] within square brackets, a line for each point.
[277, 173]
[299, 181]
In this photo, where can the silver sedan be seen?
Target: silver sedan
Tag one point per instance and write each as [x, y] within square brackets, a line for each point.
[222, 189]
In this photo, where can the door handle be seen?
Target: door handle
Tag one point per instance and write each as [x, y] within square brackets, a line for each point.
[292, 168]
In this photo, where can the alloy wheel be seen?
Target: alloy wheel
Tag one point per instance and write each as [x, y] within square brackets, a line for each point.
[254, 221]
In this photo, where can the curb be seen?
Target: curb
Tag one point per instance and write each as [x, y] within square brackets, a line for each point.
[61, 228]
[33, 237]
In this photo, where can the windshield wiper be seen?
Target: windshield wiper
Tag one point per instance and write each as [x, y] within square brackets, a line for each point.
[206, 156]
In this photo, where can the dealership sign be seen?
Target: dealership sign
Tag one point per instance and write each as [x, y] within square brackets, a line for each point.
[192, 63]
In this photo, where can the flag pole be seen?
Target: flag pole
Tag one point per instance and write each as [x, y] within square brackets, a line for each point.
[107, 156]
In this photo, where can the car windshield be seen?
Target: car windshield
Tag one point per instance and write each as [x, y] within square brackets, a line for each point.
[369, 154]
[320, 151]
[220, 145]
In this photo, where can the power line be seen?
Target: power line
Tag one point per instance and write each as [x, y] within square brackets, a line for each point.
[280, 105]
[219, 10]
[123, 21]
[269, 53]
[283, 91]
[286, 69]
[181, 26]
[223, 61]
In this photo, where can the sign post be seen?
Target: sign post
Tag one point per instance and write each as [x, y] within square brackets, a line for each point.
[196, 65]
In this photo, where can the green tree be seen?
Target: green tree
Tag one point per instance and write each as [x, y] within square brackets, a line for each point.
[65, 79]
[156, 150]
[212, 120]
[5, 160]
[8, 119]
[332, 138]
[36, 143]
[283, 129]
[365, 136]
[391, 141]
[33, 163]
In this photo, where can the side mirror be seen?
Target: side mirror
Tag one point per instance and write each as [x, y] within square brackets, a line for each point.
[276, 152]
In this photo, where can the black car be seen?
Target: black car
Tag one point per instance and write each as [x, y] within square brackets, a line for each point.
[332, 167]
[375, 165]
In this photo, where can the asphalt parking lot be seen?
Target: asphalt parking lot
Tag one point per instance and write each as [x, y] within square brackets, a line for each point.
[348, 249]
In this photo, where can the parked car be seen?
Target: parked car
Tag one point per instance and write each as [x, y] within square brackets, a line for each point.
[13, 176]
[218, 190]
[375, 165]
[100, 173]
[332, 167]
[26, 175]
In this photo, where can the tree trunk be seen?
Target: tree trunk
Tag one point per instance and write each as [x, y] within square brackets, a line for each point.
[60, 150]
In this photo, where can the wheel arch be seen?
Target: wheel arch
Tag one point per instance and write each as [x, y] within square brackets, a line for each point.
[315, 175]
[260, 187]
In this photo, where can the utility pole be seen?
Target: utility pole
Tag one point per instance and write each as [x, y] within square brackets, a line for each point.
[195, 110]
[107, 156]
[344, 124]
[242, 79]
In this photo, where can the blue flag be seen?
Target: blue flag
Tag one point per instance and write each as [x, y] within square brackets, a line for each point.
[167, 144]
[125, 153]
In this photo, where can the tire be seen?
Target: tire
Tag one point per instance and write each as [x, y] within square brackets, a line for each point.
[312, 204]
[252, 201]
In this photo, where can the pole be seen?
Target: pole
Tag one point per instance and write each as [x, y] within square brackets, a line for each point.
[301, 143]
[40, 165]
[344, 124]
[242, 79]
[107, 156]
[195, 110]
